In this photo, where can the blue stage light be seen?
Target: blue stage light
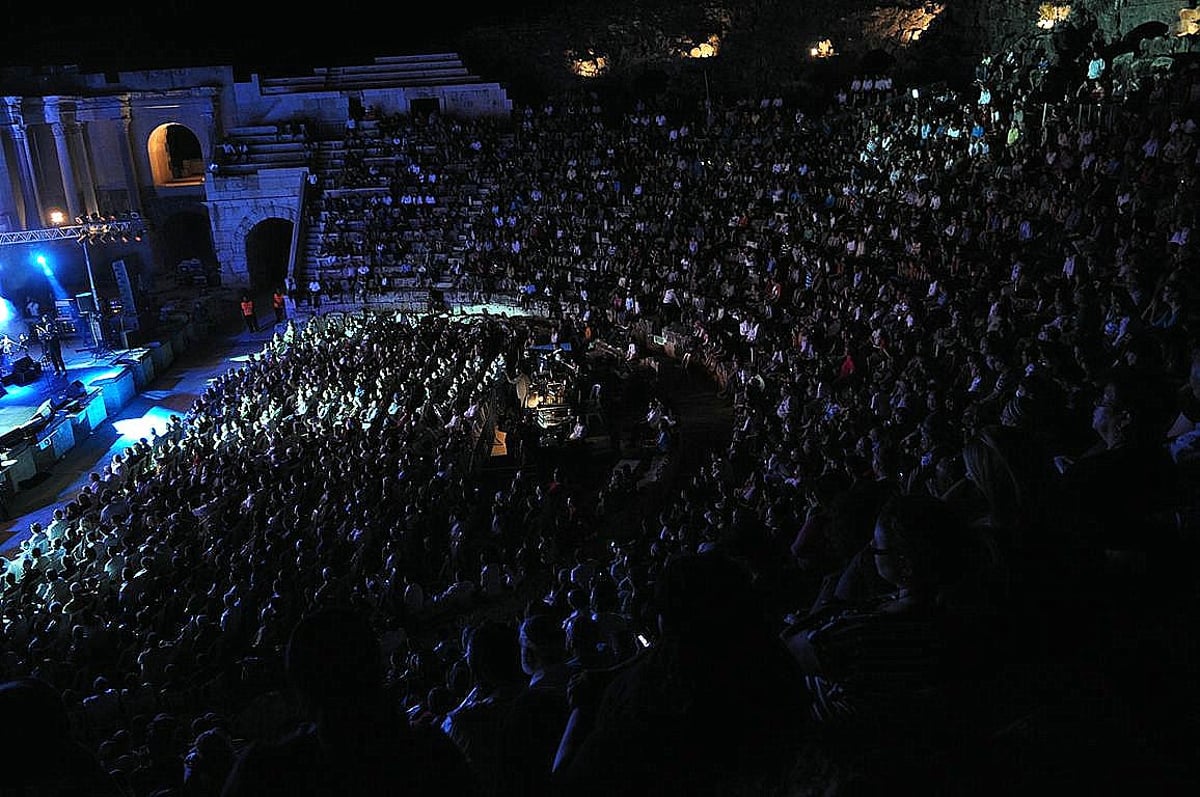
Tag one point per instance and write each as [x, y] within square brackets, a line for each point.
[45, 265]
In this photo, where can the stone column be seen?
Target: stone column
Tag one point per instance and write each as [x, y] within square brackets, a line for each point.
[67, 172]
[132, 184]
[31, 199]
[75, 133]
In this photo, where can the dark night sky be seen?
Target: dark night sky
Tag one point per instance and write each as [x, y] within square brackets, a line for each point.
[267, 37]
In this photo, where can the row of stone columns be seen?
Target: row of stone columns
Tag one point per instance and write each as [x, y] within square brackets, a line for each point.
[73, 155]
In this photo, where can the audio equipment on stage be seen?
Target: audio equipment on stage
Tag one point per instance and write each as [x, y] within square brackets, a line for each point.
[26, 371]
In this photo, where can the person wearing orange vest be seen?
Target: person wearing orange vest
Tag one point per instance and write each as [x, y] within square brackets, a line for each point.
[248, 313]
[279, 304]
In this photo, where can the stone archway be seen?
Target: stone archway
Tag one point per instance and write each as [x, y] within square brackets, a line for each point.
[268, 253]
[176, 156]
[233, 236]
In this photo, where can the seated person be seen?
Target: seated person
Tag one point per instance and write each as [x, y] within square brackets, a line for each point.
[1124, 491]
[33, 709]
[655, 413]
[477, 724]
[1184, 435]
[888, 666]
[713, 706]
[357, 741]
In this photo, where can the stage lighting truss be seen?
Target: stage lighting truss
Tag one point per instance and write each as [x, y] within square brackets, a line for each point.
[91, 229]
[125, 228]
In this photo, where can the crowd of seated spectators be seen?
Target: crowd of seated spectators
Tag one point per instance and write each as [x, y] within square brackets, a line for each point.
[948, 544]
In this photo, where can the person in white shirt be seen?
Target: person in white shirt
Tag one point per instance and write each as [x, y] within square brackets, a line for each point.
[37, 538]
[16, 566]
[655, 414]
[58, 525]
[748, 329]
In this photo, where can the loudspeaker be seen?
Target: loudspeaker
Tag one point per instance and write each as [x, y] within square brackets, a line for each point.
[26, 371]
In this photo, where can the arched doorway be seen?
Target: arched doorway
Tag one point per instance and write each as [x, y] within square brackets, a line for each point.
[268, 252]
[175, 155]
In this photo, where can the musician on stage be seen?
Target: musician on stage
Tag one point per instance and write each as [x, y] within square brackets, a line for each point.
[8, 348]
[51, 338]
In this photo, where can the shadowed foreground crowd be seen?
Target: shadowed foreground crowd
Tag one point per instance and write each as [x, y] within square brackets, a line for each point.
[949, 546]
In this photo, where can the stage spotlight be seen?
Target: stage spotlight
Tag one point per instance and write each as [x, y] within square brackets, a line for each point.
[81, 220]
[45, 266]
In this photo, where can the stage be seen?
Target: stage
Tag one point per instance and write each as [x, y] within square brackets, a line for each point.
[44, 415]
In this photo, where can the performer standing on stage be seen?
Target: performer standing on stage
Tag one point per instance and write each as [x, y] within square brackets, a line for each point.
[51, 338]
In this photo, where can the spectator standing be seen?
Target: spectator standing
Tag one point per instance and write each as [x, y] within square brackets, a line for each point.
[279, 305]
[248, 313]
